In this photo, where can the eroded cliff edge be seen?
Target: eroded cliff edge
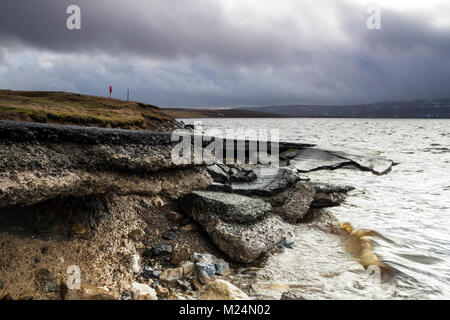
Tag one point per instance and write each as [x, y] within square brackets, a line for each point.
[112, 203]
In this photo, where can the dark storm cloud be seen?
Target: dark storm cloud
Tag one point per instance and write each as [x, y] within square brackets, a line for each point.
[192, 53]
[166, 29]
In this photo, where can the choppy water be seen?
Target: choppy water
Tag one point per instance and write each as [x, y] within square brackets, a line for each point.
[409, 208]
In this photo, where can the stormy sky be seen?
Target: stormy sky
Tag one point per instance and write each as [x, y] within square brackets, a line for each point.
[220, 53]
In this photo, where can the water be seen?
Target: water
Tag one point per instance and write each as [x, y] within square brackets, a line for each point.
[409, 208]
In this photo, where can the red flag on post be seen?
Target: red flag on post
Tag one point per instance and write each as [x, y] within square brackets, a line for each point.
[110, 91]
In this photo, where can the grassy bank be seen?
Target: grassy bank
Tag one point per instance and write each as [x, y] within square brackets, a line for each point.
[77, 109]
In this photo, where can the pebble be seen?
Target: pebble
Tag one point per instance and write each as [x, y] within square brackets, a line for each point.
[170, 235]
[162, 248]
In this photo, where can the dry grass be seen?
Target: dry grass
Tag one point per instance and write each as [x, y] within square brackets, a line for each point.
[77, 109]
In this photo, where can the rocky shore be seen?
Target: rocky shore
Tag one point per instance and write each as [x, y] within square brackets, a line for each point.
[89, 213]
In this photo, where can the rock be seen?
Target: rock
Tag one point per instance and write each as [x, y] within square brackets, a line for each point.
[88, 292]
[292, 295]
[210, 264]
[170, 235]
[180, 253]
[269, 182]
[162, 291]
[204, 277]
[172, 274]
[293, 204]
[188, 268]
[218, 174]
[142, 291]
[175, 217]
[310, 159]
[221, 290]
[135, 264]
[45, 281]
[228, 207]
[197, 285]
[150, 273]
[246, 243]
[161, 249]
[44, 250]
[222, 217]
[184, 284]
[243, 175]
[157, 273]
[136, 234]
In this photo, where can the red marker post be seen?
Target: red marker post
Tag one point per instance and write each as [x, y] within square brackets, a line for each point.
[110, 91]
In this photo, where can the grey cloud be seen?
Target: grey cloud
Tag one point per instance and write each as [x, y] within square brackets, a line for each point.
[190, 53]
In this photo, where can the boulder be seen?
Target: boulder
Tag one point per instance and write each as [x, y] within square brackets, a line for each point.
[242, 227]
[294, 203]
[221, 290]
[228, 207]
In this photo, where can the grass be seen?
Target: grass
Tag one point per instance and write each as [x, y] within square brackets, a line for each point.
[77, 109]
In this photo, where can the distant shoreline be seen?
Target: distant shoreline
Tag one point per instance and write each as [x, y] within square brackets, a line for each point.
[244, 114]
[418, 109]
[181, 113]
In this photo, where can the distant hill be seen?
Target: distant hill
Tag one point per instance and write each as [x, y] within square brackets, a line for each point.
[218, 113]
[429, 108]
[76, 109]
